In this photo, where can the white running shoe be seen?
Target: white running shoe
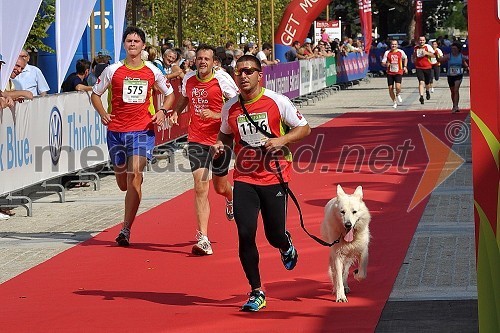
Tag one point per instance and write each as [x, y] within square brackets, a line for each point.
[395, 105]
[203, 247]
[4, 216]
[400, 100]
[432, 89]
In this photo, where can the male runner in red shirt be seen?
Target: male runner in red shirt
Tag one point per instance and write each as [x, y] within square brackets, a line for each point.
[130, 120]
[257, 184]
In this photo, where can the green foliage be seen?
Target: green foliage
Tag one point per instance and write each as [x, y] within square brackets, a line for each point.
[205, 21]
[456, 18]
[44, 18]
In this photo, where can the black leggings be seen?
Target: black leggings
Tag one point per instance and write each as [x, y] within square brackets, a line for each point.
[248, 200]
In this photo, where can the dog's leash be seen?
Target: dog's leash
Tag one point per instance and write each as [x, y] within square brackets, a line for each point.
[284, 185]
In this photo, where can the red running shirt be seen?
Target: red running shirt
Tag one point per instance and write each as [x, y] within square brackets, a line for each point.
[421, 61]
[130, 89]
[274, 113]
[210, 93]
[394, 61]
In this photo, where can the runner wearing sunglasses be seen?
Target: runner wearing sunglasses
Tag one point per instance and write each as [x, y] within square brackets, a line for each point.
[257, 184]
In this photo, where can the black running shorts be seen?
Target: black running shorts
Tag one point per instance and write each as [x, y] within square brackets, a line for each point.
[199, 157]
[453, 79]
[424, 75]
[398, 78]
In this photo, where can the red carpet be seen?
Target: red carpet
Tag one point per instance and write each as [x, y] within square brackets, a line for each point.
[157, 286]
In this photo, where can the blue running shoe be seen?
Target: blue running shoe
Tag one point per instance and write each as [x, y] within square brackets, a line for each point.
[256, 301]
[289, 258]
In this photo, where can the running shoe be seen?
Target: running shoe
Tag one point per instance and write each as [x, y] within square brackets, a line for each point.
[4, 216]
[427, 95]
[203, 247]
[256, 301]
[123, 237]
[229, 210]
[395, 105]
[432, 89]
[421, 99]
[400, 100]
[289, 258]
[455, 110]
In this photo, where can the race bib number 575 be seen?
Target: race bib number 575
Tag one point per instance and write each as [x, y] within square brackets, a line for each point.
[135, 91]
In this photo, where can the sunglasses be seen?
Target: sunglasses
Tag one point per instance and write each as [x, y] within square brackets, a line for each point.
[247, 71]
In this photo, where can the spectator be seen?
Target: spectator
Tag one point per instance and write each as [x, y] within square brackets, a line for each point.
[170, 58]
[324, 36]
[105, 56]
[292, 54]
[446, 41]
[265, 53]
[100, 62]
[382, 44]
[153, 57]
[77, 81]
[305, 51]
[230, 46]
[250, 48]
[5, 102]
[11, 91]
[237, 53]
[31, 78]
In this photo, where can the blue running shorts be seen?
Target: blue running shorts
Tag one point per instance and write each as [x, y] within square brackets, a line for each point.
[122, 145]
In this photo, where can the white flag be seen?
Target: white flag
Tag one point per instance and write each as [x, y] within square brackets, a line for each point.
[17, 17]
[71, 19]
[119, 7]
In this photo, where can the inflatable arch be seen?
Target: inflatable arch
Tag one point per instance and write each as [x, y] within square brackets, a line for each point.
[295, 24]
[299, 15]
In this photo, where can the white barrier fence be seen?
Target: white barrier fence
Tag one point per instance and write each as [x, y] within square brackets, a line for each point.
[49, 137]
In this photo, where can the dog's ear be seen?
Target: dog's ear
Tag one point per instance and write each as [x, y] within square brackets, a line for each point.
[359, 192]
[340, 191]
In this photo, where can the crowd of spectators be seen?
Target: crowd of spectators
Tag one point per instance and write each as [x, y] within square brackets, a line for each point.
[442, 41]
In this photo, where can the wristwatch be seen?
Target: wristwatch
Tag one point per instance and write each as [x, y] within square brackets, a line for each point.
[164, 111]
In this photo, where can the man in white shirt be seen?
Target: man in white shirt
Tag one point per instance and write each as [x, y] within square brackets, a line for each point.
[31, 78]
[265, 53]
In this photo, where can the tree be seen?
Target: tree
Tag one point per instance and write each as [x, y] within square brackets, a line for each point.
[44, 18]
[205, 21]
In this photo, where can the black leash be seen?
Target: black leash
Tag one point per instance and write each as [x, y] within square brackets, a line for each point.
[284, 185]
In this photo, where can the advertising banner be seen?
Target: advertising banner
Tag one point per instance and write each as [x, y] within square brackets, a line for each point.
[365, 15]
[331, 71]
[48, 137]
[484, 29]
[418, 20]
[353, 66]
[305, 77]
[283, 78]
[318, 74]
[332, 28]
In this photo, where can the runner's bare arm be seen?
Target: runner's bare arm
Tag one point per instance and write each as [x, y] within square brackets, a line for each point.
[296, 134]
[222, 140]
[97, 103]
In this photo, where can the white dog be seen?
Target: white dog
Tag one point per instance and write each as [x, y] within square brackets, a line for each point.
[346, 219]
